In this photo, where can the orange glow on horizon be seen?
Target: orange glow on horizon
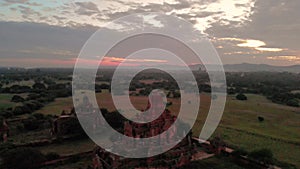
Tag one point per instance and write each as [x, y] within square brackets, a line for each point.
[106, 61]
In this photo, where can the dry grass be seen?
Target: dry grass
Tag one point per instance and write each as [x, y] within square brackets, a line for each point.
[281, 122]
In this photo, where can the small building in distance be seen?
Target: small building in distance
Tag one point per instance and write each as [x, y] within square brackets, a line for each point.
[66, 125]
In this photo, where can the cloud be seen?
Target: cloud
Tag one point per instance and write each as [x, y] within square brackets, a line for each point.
[28, 12]
[23, 2]
[86, 8]
[292, 59]
[32, 40]
[119, 60]
[202, 13]
[265, 49]
[258, 45]
[242, 30]
[47, 51]
[250, 43]
[274, 22]
[16, 1]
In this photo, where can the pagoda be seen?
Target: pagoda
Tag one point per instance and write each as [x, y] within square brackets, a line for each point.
[178, 156]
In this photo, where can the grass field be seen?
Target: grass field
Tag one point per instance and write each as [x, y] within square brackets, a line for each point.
[213, 163]
[69, 147]
[81, 164]
[29, 83]
[239, 126]
[5, 101]
[279, 132]
[56, 107]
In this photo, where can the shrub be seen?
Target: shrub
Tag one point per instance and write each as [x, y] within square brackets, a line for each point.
[39, 116]
[132, 88]
[20, 127]
[293, 102]
[261, 119]
[52, 156]
[176, 95]
[17, 99]
[169, 103]
[241, 96]
[240, 152]
[31, 123]
[231, 91]
[22, 157]
[6, 147]
[39, 86]
[34, 105]
[6, 114]
[264, 155]
[19, 110]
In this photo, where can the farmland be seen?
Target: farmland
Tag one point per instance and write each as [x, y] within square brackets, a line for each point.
[239, 126]
[267, 119]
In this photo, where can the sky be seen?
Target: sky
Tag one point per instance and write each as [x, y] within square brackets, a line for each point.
[51, 33]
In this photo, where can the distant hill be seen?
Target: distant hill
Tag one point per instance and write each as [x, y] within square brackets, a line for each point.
[243, 67]
[247, 67]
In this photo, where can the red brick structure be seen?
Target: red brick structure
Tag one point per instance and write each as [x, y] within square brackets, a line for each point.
[4, 131]
[66, 126]
[178, 156]
[217, 146]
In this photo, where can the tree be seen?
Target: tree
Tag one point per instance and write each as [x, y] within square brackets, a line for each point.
[104, 86]
[169, 103]
[132, 88]
[176, 95]
[52, 156]
[4, 147]
[264, 155]
[17, 99]
[241, 96]
[239, 152]
[32, 123]
[19, 110]
[293, 102]
[22, 157]
[39, 86]
[260, 119]
[6, 113]
[231, 91]
[204, 88]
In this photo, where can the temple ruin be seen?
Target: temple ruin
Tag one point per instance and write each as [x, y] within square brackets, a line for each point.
[178, 156]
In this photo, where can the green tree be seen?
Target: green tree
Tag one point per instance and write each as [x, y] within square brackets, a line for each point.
[241, 96]
[293, 102]
[264, 155]
[39, 86]
[17, 99]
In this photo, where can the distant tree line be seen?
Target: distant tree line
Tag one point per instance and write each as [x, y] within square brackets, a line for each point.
[277, 87]
[42, 92]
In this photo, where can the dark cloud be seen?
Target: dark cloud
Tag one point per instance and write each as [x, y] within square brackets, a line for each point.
[278, 22]
[274, 22]
[32, 40]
